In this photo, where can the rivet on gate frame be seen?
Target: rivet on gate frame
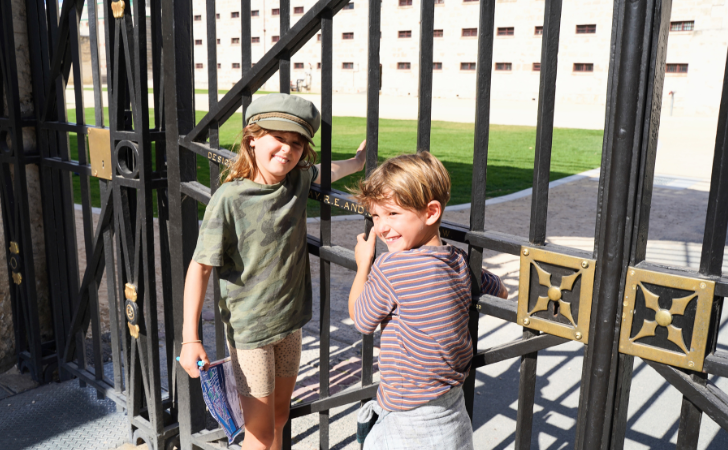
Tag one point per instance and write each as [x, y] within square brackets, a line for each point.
[525, 251]
[585, 264]
[577, 336]
[526, 321]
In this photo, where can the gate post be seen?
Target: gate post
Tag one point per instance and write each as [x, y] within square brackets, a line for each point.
[639, 46]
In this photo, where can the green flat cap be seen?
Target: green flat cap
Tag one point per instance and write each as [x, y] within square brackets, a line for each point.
[283, 112]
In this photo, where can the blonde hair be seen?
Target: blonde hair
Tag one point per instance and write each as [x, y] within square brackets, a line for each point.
[245, 166]
[411, 181]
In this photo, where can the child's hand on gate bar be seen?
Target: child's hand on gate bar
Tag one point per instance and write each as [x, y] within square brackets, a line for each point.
[189, 357]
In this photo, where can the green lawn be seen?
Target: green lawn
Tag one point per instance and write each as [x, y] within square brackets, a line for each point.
[510, 153]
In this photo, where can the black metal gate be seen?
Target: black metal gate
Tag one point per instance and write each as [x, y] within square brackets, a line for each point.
[142, 165]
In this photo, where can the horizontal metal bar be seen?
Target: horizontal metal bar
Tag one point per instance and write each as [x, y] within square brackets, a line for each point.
[70, 166]
[146, 427]
[721, 283]
[5, 122]
[350, 395]
[516, 348]
[337, 199]
[501, 308]
[453, 231]
[716, 363]
[196, 190]
[100, 385]
[205, 437]
[218, 155]
[507, 243]
[338, 255]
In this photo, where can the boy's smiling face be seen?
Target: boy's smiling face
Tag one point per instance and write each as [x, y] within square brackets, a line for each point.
[405, 229]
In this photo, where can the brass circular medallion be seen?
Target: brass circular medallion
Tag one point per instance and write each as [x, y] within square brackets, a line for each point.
[130, 313]
[663, 317]
[14, 263]
[554, 293]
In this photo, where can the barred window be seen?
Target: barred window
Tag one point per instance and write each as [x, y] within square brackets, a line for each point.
[275, 38]
[236, 65]
[505, 31]
[437, 66]
[439, 2]
[437, 33]
[218, 41]
[405, 2]
[298, 65]
[503, 66]
[347, 36]
[583, 67]
[255, 40]
[318, 65]
[219, 66]
[197, 18]
[318, 37]
[255, 13]
[349, 5]
[403, 66]
[536, 67]
[298, 10]
[347, 65]
[276, 12]
[405, 34]
[586, 29]
[234, 14]
[676, 68]
[688, 25]
[199, 66]
[235, 40]
[217, 16]
[467, 66]
[468, 32]
[538, 31]
[198, 41]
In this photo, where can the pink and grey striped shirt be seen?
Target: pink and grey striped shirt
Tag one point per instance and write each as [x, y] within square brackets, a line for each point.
[425, 348]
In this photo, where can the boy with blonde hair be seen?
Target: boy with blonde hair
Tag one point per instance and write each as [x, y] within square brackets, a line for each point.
[420, 292]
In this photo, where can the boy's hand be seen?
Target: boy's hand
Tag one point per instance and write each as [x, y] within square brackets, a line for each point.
[361, 154]
[188, 357]
[365, 249]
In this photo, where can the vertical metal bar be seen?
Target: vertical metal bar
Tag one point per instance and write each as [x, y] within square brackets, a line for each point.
[633, 106]
[480, 163]
[424, 114]
[284, 63]
[179, 114]
[95, 69]
[325, 228]
[246, 56]
[375, 17]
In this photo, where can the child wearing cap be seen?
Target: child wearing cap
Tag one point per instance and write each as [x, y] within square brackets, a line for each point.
[254, 236]
[420, 292]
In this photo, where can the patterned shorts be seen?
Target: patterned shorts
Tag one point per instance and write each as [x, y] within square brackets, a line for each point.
[256, 369]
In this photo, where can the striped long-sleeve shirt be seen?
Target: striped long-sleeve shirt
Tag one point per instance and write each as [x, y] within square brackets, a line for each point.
[425, 348]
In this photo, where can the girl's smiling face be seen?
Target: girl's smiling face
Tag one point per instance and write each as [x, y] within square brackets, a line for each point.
[276, 154]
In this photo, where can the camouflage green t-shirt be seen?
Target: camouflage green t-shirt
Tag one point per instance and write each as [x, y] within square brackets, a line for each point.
[255, 237]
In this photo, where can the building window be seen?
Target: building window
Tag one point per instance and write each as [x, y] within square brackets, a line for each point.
[318, 65]
[255, 40]
[586, 29]
[405, 2]
[219, 66]
[403, 66]
[437, 33]
[236, 65]
[199, 66]
[275, 38]
[275, 12]
[255, 13]
[682, 26]
[218, 41]
[437, 66]
[235, 40]
[505, 31]
[217, 16]
[347, 36]
[583, 67]
[197, 18]
[439, 2]
[198, 41]
[507, 67]
[467, 66]
[468, 32]
[469, 1]
[405, 34]
[347, 65]
[676, 68]
[298, 65]
[349, 5]
[536, 67]
[234, 14]
[298, 10]
[318, 37]
[538, 31]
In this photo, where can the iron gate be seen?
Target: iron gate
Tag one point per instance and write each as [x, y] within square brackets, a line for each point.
[157, 161]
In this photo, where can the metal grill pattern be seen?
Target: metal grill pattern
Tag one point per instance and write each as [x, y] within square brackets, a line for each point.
[160, 159]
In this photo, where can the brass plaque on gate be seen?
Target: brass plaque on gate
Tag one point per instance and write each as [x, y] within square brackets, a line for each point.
[666, 318]
[555, 293]
[99, 150]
